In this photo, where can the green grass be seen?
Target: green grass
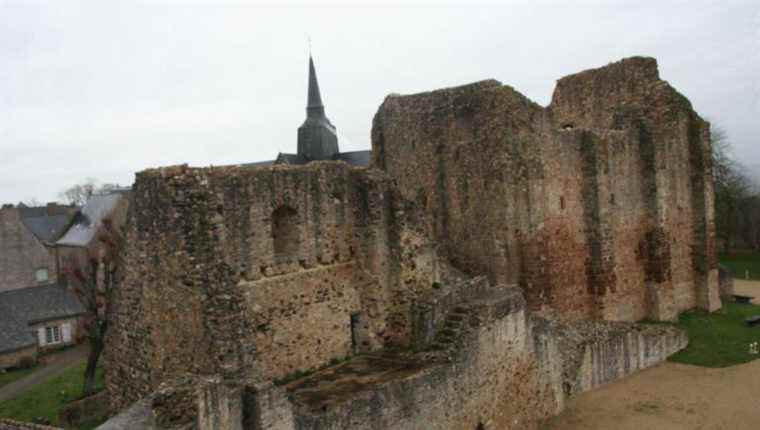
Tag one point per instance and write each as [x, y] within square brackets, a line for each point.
[742, 261]
[46, 399]
[719, 339]
[13, 375]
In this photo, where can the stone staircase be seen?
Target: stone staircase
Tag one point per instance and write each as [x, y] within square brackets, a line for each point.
[453, 329]
[460, 319]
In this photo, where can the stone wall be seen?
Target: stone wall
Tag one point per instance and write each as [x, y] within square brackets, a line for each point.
[493, 380]
[290, 267]
[6, 424]
[598, 206]
[599, 352]
[21, 254]
[18, 357]
[90, 409]
[388, 285]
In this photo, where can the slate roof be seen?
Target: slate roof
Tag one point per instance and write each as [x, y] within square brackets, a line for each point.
[47, 228]
[354, 158]
[259, 163]
[89, 219]
[294, 159]
[22, 307]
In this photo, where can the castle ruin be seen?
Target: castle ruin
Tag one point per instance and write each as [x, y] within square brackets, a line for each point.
[491, 260]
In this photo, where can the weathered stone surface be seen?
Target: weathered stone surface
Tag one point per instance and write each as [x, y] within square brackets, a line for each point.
[21, 253]
[89, 409]
[598, 206]
[597, 352]
[6, 424]
[213, 296]
[450, 286]
[19, 357]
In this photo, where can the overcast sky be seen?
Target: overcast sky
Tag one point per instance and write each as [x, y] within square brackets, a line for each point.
[103, 89]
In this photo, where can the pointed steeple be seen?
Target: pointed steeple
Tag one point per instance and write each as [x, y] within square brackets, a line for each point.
[314, 106]
[316, 136]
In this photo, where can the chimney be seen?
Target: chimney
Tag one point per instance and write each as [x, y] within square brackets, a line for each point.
[52, 208]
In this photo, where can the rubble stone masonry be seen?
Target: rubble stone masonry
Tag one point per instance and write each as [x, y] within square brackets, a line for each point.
[215, 296]
[22, 254]
[490, 263]
[599, 206]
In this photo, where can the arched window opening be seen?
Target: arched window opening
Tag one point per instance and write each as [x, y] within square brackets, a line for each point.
[286, 234]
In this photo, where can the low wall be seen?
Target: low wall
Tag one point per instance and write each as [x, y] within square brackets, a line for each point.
[492, 380]
[597, 352]
[430, 310]
[90, 409]
[6, 424]
[15, 358]
[503, 368]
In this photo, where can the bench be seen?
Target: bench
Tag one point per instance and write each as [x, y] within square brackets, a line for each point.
[742, 299]
[752, 321]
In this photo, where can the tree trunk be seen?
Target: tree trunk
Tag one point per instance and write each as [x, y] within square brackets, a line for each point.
[96, 347]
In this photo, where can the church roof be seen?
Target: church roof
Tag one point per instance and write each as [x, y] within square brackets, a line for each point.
[315, 98]
[354, 158]
[317, 139]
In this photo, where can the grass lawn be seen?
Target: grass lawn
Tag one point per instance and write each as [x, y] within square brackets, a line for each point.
[45, 400]
[719, 339]
[12, 375]
[742, 261]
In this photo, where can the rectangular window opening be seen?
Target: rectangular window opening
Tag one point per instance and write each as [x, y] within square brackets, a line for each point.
[355, 321]
[52, 334]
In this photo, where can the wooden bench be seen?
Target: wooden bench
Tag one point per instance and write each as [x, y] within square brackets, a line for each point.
[752, 321]
[745, 300]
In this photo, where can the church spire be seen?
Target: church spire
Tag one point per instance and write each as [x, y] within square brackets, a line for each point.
[314, 106]
[316, 136]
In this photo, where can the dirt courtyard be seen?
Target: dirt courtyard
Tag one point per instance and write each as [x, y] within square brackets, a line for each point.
[673, 396]
[670, 396]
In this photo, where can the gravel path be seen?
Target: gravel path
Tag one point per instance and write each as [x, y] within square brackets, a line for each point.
[670, 396]
[57, 365]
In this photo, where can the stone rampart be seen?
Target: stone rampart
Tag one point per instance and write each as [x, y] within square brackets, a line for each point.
[598, 206]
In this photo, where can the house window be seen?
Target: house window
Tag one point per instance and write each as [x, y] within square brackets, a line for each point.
[52, 335]
[41, 275]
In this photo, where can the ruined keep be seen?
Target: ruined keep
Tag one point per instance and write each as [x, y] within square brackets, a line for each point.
[491, 261]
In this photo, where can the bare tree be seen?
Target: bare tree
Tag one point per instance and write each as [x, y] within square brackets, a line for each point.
[95, 276]
[733, 193]
[79, 194]
[33, 202]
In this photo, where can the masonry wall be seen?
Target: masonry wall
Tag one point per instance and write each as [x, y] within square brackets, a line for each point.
[598, 206]
[259, 273]
[14, 358]
[501, 378]
[21, 254]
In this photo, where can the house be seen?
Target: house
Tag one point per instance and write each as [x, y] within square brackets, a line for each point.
[83, 230]
[79, 245]
[27, 236]
[39, 311]
[37, 319]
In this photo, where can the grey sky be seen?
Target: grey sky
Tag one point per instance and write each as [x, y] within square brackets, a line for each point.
[103, 89]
